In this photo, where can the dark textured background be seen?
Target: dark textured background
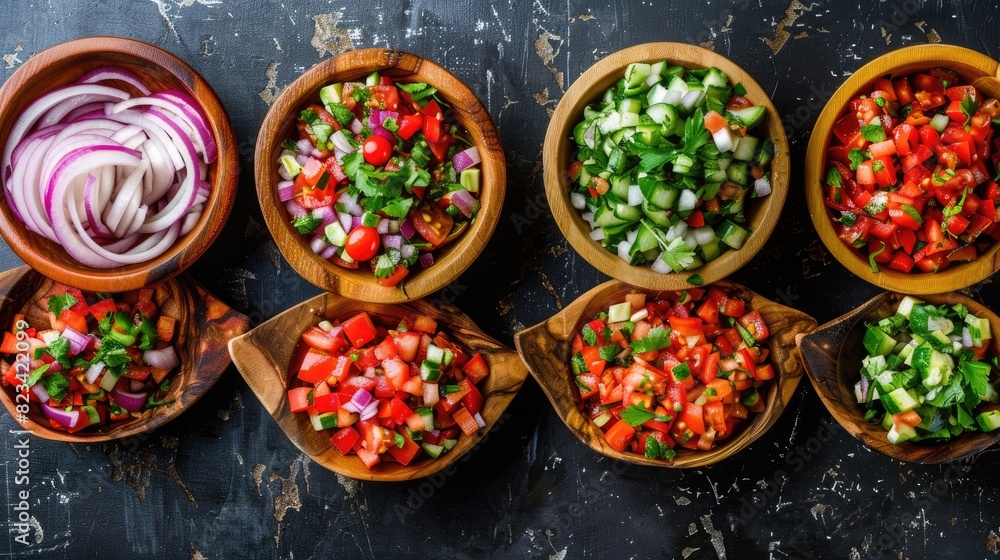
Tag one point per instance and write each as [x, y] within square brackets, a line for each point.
[222, 481]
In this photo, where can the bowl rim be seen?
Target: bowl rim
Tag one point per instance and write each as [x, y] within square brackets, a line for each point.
[475, 118]
[906, 59]
[187, 249]
[572, 225]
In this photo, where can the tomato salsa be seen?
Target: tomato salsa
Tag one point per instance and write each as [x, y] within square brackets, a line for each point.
[91, 360]
[379, 175]
[683, 370]
[387, 393]
[911, 172]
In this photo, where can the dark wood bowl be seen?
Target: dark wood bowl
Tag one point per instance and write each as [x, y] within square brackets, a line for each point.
[64, 64]
[832, 355]
[762, 215]
[264, 355]
[545, 347]
[969, 64]
[204, 327]
[360, 283]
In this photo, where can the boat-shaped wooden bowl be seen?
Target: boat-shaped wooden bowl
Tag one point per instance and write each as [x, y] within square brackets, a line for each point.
[65, 63]
[468, 111]
[204, 327]
[264, 354]
[969, 64]
[545, 347]
[762, 214]
[832, 355]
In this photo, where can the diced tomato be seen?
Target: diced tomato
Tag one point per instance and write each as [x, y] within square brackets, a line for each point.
[345, 438]
[715, 416]
[693, 417]
[465, 421]
[901, 262]
[754, 322]
[476, 369]
[619, 435]
[317, 338]
[359, 329]
[316, 366]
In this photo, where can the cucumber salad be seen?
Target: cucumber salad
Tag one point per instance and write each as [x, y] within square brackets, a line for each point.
[665, 162]
[927, 375]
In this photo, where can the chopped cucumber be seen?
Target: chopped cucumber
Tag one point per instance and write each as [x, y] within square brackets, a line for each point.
[619, 312]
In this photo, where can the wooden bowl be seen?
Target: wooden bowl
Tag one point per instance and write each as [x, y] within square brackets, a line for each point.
[264, 355]
[204, 326]
[968, 64]
[360, 283]
[62, 65]
[762, 215]
[545, 347]
[832, 355]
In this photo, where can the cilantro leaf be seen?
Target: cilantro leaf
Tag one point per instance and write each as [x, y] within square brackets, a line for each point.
[658, 338]
[37, 374]
[977, 376]
[384, 267]
[398, 208]
[609, 352]
[310, 117]
[833, 177]
[59, 349]
[638, 414]
[60, 302]
[873, 132]
[290, 145]
[589, 336]
[857, 157]
[56, 385]
[306, 224]
[695, 280]
[677, 255]
[343, 115]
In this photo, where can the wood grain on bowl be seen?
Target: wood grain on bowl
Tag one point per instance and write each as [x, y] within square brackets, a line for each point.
[970, 65]
[62, 65]
[545, 347]
[264, 354]
[832, 355]
[279, 124]
[204, 327]
[762, 214]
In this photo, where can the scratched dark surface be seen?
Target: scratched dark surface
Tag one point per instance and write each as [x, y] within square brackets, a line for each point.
[223, 482]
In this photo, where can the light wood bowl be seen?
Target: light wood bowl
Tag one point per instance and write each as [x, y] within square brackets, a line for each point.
[967, 63]
[264, 355]
[62, 65]
[762, 214]
[204, 327]
[545, 347]
[832, 355]
[360, 283]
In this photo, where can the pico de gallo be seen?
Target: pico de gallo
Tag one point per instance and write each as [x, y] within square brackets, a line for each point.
[94, 360]
[911, 172]
[683, 370]
[666, 161]
[387, 393]
[379, 175]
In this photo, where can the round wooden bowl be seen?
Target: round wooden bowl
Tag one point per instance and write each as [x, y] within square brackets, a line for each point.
[204, 327]
[833, 354]
[546, 346]
[967, 63]
[762, 214]
[64, 64]
[264, 355]
[360, 284]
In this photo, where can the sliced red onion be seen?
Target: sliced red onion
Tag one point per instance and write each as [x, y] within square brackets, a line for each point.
[305, 146]
[379, 131]
[164, 358]
[114, 73]
[426, 260]
[466, 159]
[295, 210]
[132, 402]
[406, 228]
[369, 411]
[378, 116]
[67, 419]
[329, 252]
[464, 201]
[341, 142]
[318, 245]
[394, 241]
[192, 113]
[40, 392]
[359, 401]
[77, 341]
[94, 371]
[346, 221]
[356, 126]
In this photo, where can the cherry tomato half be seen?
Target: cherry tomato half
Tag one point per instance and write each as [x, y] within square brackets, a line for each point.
[362, 243]
[377, 150]
[433, 224]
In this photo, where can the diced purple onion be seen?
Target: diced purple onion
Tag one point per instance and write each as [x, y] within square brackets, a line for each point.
[77, 341]
[305, 146]
[295, 210]
[132, 402]
[325, 213]
[318, 245]
[406, 251]
[426, 260]
[329, 252]
[394, 241]
[407, 229]
[379, 131]
[64, 418]
[40, 392]
[382, 227]
[346, 221]
[355, 221]
[94, 371]
[464, 201]
[286, 190]
[358, 402]
[466, 159]
[350, 204]
[356, 126]
[369, 411]
[164, 358]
